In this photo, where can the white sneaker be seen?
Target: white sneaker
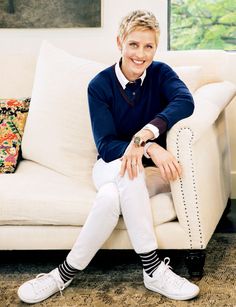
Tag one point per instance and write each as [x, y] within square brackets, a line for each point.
[41, 287]
[169, 284]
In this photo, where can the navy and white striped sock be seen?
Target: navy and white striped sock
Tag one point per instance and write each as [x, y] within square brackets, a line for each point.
[66, 271]
[150, 261]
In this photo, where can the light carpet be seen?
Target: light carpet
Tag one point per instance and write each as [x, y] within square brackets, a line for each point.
[114, 278]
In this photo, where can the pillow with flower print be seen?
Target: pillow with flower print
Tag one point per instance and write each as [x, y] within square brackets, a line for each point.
[13, 114]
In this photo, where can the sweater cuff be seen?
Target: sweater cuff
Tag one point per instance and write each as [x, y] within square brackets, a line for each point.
[160, 123]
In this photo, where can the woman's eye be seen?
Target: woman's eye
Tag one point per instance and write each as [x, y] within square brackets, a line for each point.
[149, 46]
[133, 45]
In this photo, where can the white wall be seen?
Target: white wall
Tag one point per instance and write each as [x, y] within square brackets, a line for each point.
[102, 39]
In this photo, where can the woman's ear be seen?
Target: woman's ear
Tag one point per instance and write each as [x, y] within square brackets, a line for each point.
[119, 44]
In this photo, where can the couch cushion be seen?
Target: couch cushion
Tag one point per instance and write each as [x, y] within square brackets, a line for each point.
[57, 132]
[190, 75]
[36, 195]
[218, 93]
[13, 114]
[212, 62]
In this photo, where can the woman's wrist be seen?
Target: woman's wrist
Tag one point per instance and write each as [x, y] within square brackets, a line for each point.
[150, 148]
[145, 134]
[145, 150]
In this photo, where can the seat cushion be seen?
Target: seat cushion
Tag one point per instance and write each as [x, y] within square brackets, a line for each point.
[36, 195]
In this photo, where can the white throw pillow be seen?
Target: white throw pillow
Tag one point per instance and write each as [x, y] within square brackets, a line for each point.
[58, 133]
[190, 75]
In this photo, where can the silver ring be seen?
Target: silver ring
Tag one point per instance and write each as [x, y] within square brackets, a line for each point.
[133, 164]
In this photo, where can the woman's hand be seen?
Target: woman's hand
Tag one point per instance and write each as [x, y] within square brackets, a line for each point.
[169, 167]
[132, 161]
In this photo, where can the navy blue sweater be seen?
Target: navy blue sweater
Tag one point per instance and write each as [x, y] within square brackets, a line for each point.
[163, 99]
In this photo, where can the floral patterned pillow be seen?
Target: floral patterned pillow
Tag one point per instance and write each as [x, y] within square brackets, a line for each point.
[13, 114]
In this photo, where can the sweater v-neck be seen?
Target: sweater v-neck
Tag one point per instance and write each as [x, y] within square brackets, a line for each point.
[137, 93]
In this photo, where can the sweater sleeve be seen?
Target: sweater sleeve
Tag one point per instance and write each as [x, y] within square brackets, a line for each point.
[179, 101]
[109, 146]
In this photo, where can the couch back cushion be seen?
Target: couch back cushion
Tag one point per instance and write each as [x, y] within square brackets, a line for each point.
[213, 62]
[190, 75]
[57, 133]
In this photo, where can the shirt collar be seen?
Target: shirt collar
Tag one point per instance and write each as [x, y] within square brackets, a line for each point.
[121, 77]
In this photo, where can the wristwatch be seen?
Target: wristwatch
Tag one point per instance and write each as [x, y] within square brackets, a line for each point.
[138, 141]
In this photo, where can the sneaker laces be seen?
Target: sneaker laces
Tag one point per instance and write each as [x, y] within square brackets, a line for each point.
[40, 284]
[169, 277]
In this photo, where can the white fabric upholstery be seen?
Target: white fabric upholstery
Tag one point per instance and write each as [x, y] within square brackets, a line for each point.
[191, 75]
[57, 133]
[45, 203]
[62, 237]
[212, 62]
[209, 100]
[55, 199]
[200, 144]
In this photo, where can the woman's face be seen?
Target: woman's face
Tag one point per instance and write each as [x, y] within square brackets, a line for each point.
[137, 51]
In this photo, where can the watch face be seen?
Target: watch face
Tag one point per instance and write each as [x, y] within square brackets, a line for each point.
[137, 140]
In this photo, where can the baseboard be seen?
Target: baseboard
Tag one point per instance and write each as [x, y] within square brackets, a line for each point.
[233, 184]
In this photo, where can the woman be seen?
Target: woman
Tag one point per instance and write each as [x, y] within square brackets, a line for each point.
[132, 105]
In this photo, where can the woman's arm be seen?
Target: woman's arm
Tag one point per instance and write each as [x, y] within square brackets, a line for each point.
[179, 104]
[179, 101]
[109, 146]
[169, 167]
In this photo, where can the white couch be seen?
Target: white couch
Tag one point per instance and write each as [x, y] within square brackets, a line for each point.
[44, 204]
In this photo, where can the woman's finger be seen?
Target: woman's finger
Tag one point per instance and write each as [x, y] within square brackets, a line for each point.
[129, 168]
[134, 168]
[140, 165]
[178, 167]
[173, 170]
[168, 171]
[163, 173]
[123, 167]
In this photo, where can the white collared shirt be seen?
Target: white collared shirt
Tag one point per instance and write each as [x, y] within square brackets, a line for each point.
[122, 79]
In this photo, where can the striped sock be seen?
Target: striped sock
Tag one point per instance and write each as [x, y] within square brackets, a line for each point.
[66, 271]
[150, 261]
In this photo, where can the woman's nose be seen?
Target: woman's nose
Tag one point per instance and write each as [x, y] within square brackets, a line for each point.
[140, 53]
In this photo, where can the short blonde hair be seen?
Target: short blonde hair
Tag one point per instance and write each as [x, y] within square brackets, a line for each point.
[138, 20]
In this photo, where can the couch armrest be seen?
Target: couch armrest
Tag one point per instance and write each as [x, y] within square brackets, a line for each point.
[209, 100]
[200, 145]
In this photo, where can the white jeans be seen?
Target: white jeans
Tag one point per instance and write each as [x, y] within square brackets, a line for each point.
[118, 195]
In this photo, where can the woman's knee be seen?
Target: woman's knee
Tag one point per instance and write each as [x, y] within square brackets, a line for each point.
[125, 182]
[104, 173]
[107, 199]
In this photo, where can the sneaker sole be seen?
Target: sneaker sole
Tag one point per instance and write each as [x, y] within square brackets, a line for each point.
[173, 297]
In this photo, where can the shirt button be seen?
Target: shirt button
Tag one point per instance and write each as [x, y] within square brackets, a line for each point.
[133, 93]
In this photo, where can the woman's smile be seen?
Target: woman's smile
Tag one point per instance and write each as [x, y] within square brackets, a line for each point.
[137, 49]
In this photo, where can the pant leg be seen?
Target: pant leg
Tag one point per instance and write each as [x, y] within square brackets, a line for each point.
[136, 211]
[101, 220]
[154, 182]
[134, 201]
